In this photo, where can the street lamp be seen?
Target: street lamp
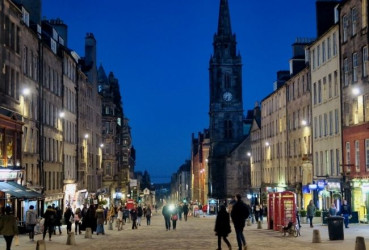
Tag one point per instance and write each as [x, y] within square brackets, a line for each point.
[26, 91]
[267, 144]
[86, 136]
[303, 122]
[355, 91]
[61, 114]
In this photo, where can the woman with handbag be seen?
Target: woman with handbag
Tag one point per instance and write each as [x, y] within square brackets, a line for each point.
[31, 221]
[174, 218]
[8, 226]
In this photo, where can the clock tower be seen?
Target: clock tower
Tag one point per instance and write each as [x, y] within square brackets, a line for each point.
[226, 107]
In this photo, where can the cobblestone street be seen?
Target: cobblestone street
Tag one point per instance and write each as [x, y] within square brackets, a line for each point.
[196, 233]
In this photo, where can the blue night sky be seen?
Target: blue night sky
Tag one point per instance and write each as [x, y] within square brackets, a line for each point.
[160, 50]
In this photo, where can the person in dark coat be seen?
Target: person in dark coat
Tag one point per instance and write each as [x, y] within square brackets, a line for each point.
[166, 213]
[50, 217]
[240, 212]
[68, 218]
[148, 215]
[222, 227]
[185, 211]
[139, 215]
[134, 217]
[59, 215]
[89, 219]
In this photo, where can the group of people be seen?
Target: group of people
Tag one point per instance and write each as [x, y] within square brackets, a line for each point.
[172, 213]
[344, 211]
[122, 215]
[239, 213]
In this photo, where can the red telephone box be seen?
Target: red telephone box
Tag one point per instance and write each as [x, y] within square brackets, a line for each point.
[277, 211]
[270, 210]
[281, 209]
[288, 207]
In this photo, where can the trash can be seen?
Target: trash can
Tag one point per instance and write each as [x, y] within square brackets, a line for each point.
[335, 228]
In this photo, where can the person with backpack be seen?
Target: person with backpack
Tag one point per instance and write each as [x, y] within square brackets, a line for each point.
[31, 221]
[50, 217]
[240, 212]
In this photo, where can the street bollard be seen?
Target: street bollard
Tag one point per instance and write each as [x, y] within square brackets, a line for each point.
[360, 243]
[40, 245]
[71, 240]
[316, 236]
[248, 222]
[259, 225]
[88, 233]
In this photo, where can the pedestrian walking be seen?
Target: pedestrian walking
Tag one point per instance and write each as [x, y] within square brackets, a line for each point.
[106, 215]
[166, 213]
[31, 221]
[111, 215]
[174, 218]
[134, 218]
[90, 218]
[222, 227]
[68, 218]
[345, 212]
[139, 215]
[148, 215]
[240, 212]
[49, 224]
[257, 211]
[99, 214]
[57, 222]
[8, 226]
[77, 220]
[332, 210]
[125, 214]
[298, 216]
[180, 211]
[310, 212]
[185, 211]
[120, 218]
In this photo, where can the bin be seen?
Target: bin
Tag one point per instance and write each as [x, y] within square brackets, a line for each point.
[335, 228]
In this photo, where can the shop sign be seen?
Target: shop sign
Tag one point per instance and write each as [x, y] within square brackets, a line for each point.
[321, 184]
[133, 183]
[334, 186]
[8, 175]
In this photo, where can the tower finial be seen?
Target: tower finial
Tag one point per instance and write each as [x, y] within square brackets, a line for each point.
[224, 22]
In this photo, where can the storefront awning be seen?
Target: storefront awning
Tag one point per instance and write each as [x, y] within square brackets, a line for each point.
[18, 191]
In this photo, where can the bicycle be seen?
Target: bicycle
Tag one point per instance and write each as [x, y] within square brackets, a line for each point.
[292, 229]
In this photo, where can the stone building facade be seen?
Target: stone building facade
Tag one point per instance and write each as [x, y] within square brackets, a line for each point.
[355, 102]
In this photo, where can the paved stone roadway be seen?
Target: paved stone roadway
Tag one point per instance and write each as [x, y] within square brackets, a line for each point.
[196, 233]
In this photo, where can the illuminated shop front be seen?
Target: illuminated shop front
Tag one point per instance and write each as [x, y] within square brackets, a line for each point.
[70, 196]
[360, 197]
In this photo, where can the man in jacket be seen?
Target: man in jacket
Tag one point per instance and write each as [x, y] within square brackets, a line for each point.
[31, 221]
[345, 212]
[240, 212]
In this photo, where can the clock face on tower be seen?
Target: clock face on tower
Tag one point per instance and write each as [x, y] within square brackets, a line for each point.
[227, 96]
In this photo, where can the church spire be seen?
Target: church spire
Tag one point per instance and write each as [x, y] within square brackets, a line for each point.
[224, 22]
